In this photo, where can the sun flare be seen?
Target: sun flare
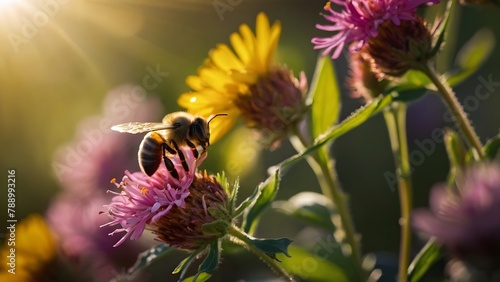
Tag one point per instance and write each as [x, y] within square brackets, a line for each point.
[6, 4]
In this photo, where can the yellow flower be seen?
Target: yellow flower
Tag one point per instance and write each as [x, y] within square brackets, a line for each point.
[34, 250]
[242, 81]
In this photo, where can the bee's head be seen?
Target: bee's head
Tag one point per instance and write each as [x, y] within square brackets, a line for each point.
[200, 130]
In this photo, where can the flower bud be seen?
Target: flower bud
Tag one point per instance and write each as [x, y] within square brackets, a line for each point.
[398, 48]
[273, 105]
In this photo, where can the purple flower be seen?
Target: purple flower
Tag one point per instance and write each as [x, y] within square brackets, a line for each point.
[360, 21]
[76, 222]
[467, 222]
[143, 200]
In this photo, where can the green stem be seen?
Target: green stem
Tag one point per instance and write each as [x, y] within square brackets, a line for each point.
[323, 168]
[396, 125]
[456, 108]
[245, 240]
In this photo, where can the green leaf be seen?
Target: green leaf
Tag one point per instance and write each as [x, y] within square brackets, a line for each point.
[272, 247]
[354, 120]
[412, 80]
[492, 147]
[440, 33]
[232, 192]
[209, 265]
[325, 94]
[247, 202]
[146, 258]
[185, 263]
[313, 208]
[200, 277]
[222, 180]
[310, 267]
[233, 195]
[429, 254]
[472, 55]
[266, 193]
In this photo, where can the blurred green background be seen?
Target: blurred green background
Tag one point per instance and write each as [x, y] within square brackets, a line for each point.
[55, 71]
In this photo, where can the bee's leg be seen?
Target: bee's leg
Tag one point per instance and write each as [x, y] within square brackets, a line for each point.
[193, 148]
[169, 149]
[181, 156]
[168, 163]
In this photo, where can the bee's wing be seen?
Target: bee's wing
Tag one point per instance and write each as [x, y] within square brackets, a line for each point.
[139, 127]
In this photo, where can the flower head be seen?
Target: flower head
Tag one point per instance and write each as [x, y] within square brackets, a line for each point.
[245, 82]
[397, 49]
[274, 104]
[183, 226]
[143, 200]
[467, 222]
[361, 20]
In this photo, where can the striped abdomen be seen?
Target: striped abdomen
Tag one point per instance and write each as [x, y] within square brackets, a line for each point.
[150, 153]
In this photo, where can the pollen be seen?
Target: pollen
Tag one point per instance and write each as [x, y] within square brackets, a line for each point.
[327, 6]
[144, 190]
[113, 180]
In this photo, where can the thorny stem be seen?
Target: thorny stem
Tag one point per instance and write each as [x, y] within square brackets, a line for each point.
[456, 108]
[396, 125]
[323, 168]
[243, 239]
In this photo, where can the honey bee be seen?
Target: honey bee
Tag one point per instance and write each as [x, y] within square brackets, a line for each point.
[163, 139]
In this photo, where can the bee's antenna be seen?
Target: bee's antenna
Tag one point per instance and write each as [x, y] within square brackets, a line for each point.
[214, 116]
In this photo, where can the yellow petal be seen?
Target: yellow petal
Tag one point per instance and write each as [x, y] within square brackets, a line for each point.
[197, 100]
[273, 42]
[186, 99]
[239, 47]
[262, 42]
[247, 78]
[225, 59]
[195, 83]
[206, 102]
[215, 78]
[248, 38]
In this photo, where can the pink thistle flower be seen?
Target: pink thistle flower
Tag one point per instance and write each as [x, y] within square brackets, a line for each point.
[144, 200]
[360, 21]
